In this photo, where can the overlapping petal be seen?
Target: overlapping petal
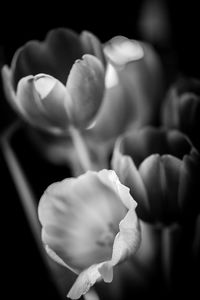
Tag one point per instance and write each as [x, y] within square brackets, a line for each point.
[85, 85]
[181, 108]
[140, 73]
[162, 170]
[89, 224]
[56, 57]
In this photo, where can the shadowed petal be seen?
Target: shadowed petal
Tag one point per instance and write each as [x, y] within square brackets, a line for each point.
[120, 50]
[92, 45]
[27, 99]
[52, 96]
[141, 143]
[54, 56]
[85, 85]
[172, 167]
[178, 144]
[115, 111]
[129, 175]
[153, 175]
[188, 194]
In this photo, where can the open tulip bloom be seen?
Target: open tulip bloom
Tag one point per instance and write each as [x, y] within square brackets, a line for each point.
[89, 225]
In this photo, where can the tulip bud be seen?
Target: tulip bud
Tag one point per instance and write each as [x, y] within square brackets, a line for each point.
[181, 109]
[162, 169]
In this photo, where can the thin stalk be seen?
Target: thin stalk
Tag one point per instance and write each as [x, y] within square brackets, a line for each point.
[91, 295]
[81, 149]
[170, 239]
[25, 192]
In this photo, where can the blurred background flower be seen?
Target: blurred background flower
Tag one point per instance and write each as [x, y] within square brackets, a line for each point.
[162, 169]
[181, 108]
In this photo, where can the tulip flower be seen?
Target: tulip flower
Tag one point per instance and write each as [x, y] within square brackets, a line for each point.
[45, 102]
[162, 169]
[181, 109]
[89, 225]
[55, 55]
[140, 73]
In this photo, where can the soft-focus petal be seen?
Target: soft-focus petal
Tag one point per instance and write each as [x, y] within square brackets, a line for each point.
[140, 72]
[115, 111]
[181, 108]
[160, 157]
[52, 96]
[41, 98]
[153, 176]
[139, 144]
[177, 143]
[85, 85]
[129, 175]
[120, 50]
[27, 100]
[54, 56]
[189, 194]
[172, 167]
[160, 175]
[92, 45]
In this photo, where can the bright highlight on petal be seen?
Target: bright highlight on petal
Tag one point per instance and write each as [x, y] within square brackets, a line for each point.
[111, 77]
[89, 225]
[121, 50]
[44, 85]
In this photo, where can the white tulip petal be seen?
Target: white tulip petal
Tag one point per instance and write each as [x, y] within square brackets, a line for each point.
[89, 227]
[84, 282]
[120, 50]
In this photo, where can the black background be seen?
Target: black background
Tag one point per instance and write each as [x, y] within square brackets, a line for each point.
[23, 274]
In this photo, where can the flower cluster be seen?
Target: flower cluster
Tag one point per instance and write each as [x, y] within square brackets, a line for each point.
[134, 153]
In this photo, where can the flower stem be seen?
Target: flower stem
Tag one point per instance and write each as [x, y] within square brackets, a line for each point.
[166, 255]
[170, 239]
[91, 295]
[81, 149]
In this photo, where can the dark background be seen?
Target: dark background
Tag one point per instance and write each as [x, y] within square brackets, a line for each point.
[23, 273]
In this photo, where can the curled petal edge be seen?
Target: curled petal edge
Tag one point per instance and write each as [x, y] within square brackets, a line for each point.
[126, 243]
